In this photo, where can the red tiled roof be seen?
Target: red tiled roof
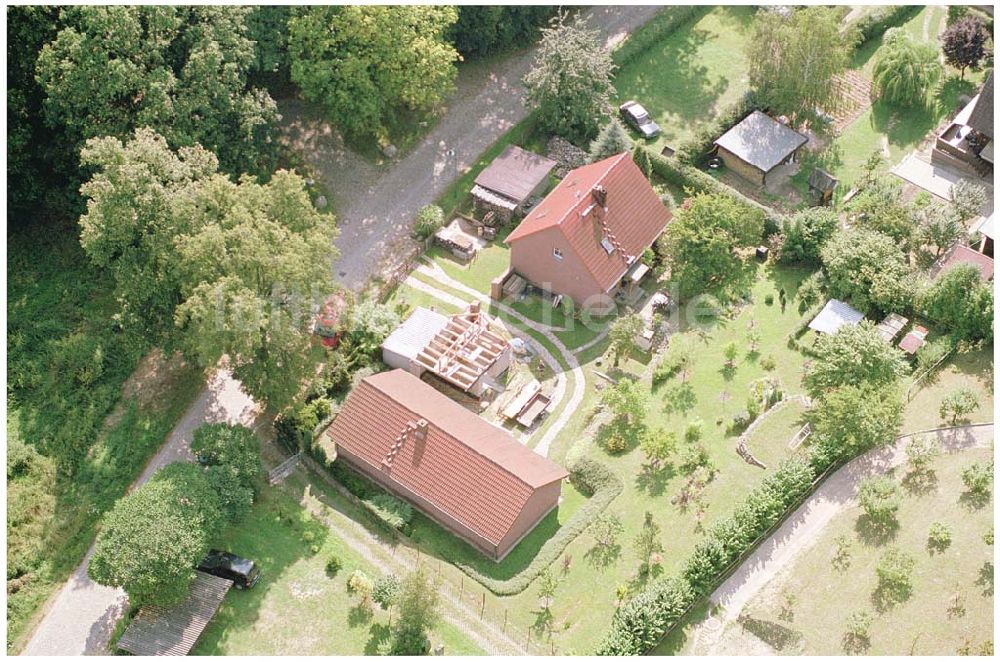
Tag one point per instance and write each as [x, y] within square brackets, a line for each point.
[964, 255]
[634, 215]
[472, 470]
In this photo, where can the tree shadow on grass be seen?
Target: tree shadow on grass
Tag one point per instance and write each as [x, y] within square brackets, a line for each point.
[985, 579]
[379, 639]
[855, 644]
[888, 595]
[775, 635]
[602, 556]
[679, 398]
[543, 622]
[973, 501]
[920, 482]
[875, 533]
[359, 615]
[654, 479]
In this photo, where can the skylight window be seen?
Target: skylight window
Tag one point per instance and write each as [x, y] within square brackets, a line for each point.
[607, 246]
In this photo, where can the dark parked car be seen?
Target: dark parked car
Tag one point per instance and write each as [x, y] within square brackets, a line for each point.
[244, 573]
[636, 116]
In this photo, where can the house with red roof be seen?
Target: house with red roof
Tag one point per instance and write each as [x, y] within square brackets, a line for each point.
[587, 237]
[470, 476]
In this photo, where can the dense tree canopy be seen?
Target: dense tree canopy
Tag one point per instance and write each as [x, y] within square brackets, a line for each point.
[365, 64]
[961, 302]
[702, 240]
[793, 60]
[852, 419]
[965, 43]
[151, 539]
[234, 265]
[179, 70]
[868, 269]
[906, 69]
[487, 29]
[853, 355]
[880, 207]
[805, 234]
[570, 82]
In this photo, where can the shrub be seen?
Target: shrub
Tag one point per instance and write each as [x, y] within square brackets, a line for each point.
[429, 220]
[895, 571]
[741, 421]
[812, 291]
[693, 431]
[958, 404]
[879, 498]
[396, 513]
[386, 590]
[805, 234]
[978, 478]
[590, 477]
[333, 565]
[768, 363]
[693, 456]
[359, 583]
[939, 536]
[931, 353]
[921, 450]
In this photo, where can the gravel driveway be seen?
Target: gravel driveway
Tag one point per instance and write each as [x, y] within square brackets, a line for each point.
[82, 616]
[377, 204]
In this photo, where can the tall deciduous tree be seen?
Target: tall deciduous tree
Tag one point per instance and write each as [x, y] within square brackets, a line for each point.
[805, 233]
[793, 59]
[570, 82]
[151, 539]
[701, 242]
[418, 613]
[626, 402]
[622, 336]
[964, 43]
[179, 70]
[851, 419]
[234, 265]
[367, 64]
[853, 355]
[905, 69]
[485, 29]
[960, 301]
[869, 269]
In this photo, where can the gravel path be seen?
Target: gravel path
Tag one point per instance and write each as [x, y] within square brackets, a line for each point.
[82, 616]
[575, 373]
[804, 527]
[377, 204]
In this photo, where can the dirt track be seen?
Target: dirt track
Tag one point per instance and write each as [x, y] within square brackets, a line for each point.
[377, 204]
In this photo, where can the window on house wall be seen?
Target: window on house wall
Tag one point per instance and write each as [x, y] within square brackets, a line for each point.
[607, 246]
[557, 254]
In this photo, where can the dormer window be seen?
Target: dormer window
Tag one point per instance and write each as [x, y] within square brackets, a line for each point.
[606, 244]
[557, 254]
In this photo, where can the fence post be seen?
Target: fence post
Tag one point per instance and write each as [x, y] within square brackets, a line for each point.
[482, 610]
[461, 588]
[504, 621]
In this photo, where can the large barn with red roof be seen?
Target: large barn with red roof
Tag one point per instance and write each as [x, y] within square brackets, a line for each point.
[588, 235]
[466, 474]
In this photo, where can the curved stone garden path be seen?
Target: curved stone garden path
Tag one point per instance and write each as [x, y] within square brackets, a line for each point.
[574, 375]
[804, 527]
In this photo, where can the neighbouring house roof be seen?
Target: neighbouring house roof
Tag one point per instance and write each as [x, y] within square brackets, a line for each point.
[175, 630]
[515, 173]
[761, 141]
[834, 315]
[609, 198]
[981, 117]
[415, 333]
[472, 471]
[961, 254]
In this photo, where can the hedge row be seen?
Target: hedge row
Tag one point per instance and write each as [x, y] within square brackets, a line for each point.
[643, 621]
[665, 23]
[589, 478]
[873, 25]
[687, 176]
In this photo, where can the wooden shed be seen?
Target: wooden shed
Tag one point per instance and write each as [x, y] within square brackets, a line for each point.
[175, 630]
[758, 145]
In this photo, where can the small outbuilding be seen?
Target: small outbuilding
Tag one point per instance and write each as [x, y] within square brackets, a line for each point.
[758, 145]
[834, 315]
[822, 186]
[175, 630]
[510, 181]
[961, 254]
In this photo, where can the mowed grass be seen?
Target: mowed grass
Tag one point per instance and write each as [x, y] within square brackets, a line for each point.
[684, 80]
[932, 621]
[891, 130]
[297, 608]
[972, 370]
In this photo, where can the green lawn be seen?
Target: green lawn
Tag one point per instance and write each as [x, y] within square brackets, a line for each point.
[932, 621]
[886, 128]
[297, 608]
[694, 72]
[972, 370]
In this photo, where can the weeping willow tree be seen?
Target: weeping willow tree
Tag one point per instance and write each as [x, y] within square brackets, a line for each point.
[905, 69]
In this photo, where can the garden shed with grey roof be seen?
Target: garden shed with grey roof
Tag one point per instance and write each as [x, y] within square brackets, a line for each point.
[758, 145]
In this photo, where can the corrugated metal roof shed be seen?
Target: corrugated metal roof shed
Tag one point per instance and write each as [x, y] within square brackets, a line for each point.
[834, 315]
[175, 630]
